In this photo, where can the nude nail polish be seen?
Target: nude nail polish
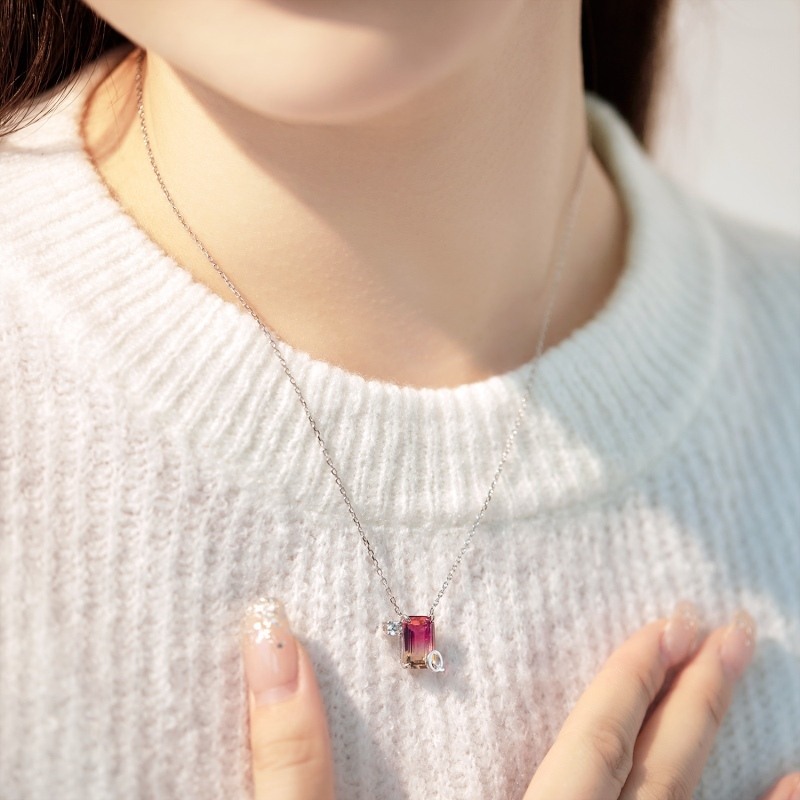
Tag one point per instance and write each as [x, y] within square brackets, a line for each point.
[269, 651]
[680, 633]
[738, 644]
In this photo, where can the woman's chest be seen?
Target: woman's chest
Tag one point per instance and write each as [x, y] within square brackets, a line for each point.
[120, 661]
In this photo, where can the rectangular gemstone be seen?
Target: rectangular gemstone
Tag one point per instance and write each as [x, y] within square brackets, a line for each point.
[418, 640]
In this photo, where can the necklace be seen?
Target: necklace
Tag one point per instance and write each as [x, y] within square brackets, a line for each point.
[415, 633]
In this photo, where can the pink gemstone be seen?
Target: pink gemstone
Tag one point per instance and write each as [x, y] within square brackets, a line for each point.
[418, 640]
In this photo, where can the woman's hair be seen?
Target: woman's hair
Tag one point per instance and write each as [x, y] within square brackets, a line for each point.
[43, 42]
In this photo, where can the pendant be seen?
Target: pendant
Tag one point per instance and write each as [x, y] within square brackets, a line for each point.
[417, 642]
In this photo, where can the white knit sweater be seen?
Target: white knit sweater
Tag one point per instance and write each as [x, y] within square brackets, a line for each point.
[157, 472]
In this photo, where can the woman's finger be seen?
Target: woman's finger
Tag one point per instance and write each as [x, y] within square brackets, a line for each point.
[593, 754]
[787, 788]
[291, 753]
[672, 750]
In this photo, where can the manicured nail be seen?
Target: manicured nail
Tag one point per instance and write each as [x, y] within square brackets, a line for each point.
[269, 651]
[680, 633]
[738, 644]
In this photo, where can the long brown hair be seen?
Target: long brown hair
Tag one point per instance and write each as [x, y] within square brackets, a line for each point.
[43, 42]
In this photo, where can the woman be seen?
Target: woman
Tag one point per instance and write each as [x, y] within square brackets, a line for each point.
[434, 217]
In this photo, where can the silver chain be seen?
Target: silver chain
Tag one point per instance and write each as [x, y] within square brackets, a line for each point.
[272, 336]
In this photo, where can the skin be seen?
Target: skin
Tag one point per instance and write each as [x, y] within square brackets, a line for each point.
[383, 182]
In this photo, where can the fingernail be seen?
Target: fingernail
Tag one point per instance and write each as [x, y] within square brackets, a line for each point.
[269, 651]
[738, 644]
[680, 633]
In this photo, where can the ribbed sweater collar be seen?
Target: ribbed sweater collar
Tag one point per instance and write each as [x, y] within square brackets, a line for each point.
[606, 401]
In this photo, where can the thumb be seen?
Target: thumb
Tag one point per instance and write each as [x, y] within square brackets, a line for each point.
[787, 788]
[289, 739]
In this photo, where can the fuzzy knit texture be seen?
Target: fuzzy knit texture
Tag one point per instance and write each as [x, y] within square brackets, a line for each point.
[157, 472]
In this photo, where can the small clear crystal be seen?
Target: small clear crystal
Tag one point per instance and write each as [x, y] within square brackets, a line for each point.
[392, 628]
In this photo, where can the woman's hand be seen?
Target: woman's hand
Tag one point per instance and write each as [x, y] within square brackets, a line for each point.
[632, 734]
[289, 740]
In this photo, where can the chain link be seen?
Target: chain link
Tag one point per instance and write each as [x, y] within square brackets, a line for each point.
[272, 336]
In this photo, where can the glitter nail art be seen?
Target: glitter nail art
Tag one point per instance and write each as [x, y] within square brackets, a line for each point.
[264, 620]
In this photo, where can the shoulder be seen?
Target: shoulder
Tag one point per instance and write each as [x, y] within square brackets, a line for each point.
[36, 165]
[759, 345]
[761, 269]
[760, 260]
[25, 330]
[24, 348]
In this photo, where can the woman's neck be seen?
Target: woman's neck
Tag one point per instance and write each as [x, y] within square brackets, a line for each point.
[410, 247]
